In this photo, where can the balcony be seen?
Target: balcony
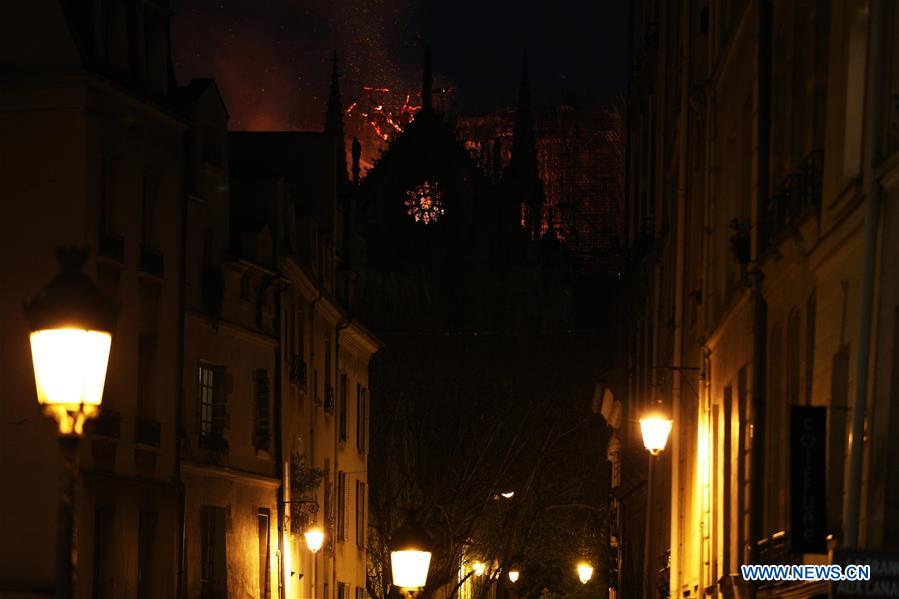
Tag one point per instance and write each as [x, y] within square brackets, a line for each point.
[797, 196]
[147, 432]
[111, 246]
[151, 261]
[776, 550]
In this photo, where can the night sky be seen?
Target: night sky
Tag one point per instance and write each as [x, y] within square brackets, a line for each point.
[271, 58]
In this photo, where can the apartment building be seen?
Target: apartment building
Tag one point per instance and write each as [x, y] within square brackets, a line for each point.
[93, 149]
[760, 170]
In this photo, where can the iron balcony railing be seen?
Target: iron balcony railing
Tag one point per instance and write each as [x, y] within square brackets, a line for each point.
[151, 261]
[798, 195]
[111, 246]
[147, 432]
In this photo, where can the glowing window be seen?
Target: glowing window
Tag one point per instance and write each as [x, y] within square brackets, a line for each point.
[425, 203]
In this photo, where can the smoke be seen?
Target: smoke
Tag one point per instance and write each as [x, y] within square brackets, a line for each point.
[272, 59]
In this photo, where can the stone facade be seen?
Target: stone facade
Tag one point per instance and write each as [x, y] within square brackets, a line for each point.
[758, 136]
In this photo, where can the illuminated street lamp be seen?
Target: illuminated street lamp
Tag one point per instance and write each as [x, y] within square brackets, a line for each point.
[584, 572]
[410, 556]
[478, 568]
[71, 324]
[655, 429]
[314, 538]
[514, 574]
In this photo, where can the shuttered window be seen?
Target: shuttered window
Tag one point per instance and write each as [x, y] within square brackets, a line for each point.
[342, 415]
[360, 514]
[342, 496]
[361, 417]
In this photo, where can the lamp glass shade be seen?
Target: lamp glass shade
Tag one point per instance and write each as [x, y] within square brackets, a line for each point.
[584, 572]
[314, 539]
[479, 568]
[513, 576]
[655, 431]
[70, 372]
[410, 567]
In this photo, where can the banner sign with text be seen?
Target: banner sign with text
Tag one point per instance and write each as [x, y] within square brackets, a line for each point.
[884, 575]
[808, 490]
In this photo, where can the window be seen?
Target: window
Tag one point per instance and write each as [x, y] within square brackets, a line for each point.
[265, 587]
[744, 448]
[213, 572]
[246, 287]
[727, 463]
[342, 384]
[149, 192]
[342, 492]
[360, 514]
[108, 169]
[146, 351]
[329, 390]
[343, 590]
[425, 203]
[146, 556]
[262, 414]
[360, 593]
[329, 506]
[837, 430]
[211, 403]
[361, 417]
[104, 569]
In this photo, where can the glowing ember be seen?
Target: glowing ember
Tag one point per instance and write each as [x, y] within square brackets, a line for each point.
[425, 203]
[385, 113]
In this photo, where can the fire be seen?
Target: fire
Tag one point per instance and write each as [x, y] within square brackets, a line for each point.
[383, 112]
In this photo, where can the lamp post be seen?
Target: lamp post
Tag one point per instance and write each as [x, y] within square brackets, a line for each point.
[313, 534]
[410, 557]
[71, 325]
[513, 574]
[655, 429]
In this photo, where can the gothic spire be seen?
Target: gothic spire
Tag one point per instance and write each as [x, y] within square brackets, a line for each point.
[334, 122]
[427, 82]
[523, 176]
[524, 145]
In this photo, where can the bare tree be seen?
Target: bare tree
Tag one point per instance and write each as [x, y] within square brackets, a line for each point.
[490, 440]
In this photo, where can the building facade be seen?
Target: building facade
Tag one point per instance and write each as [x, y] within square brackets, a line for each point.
[761, 164]
[93, 151]
[236, 402]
